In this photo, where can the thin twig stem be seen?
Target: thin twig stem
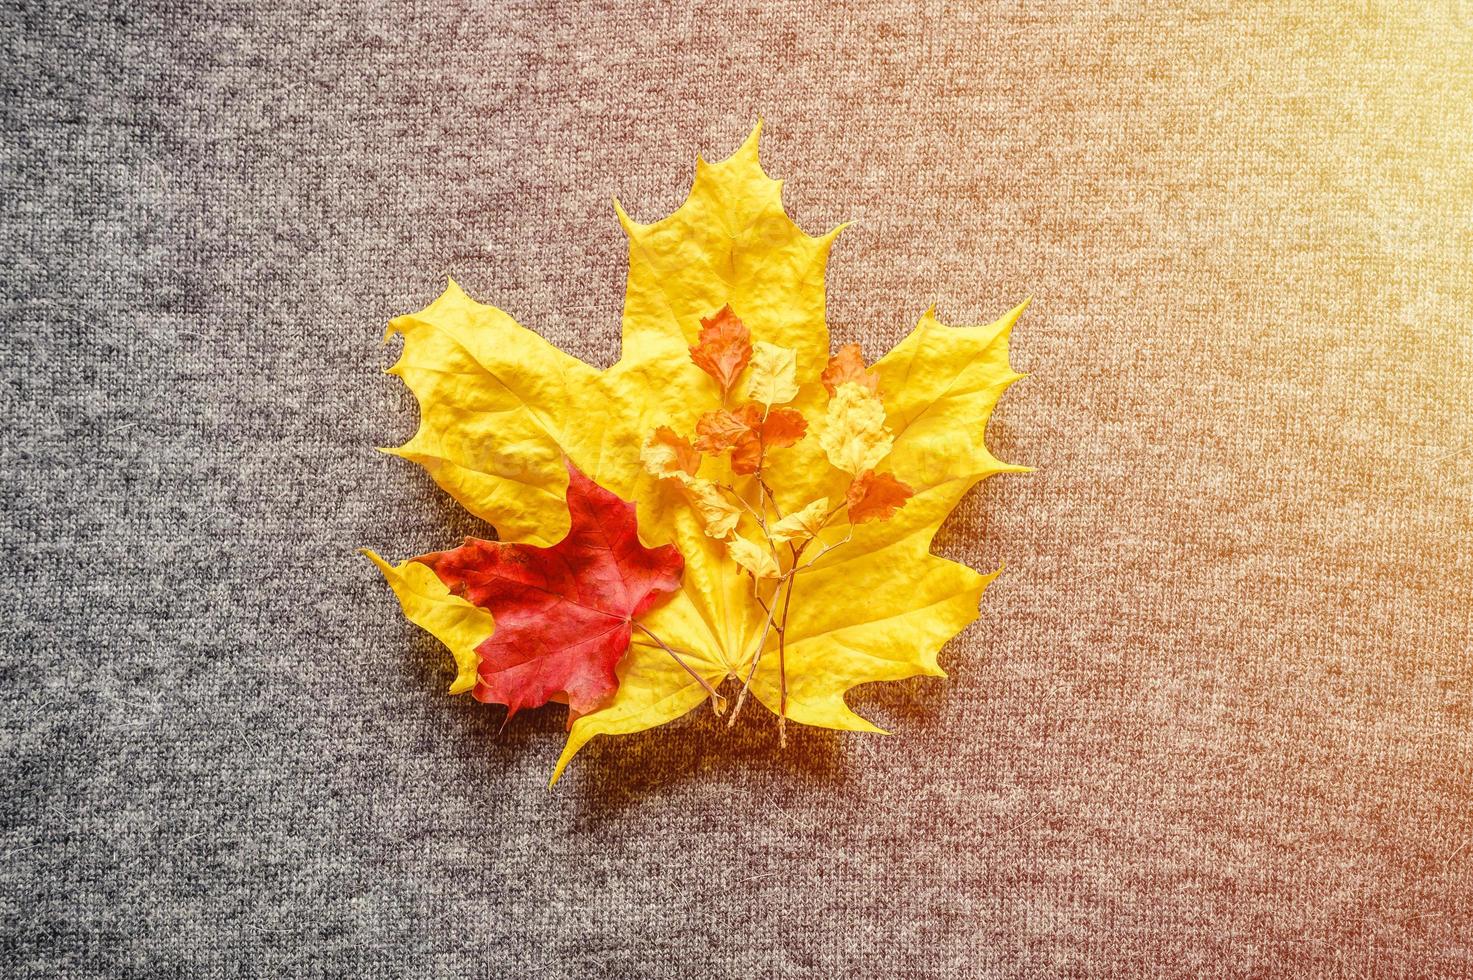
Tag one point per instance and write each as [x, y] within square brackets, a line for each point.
[757, 656]
[743, 501]
[782, 649]
[825, 550]
[785, 586]
[718, 703]
[770, 495]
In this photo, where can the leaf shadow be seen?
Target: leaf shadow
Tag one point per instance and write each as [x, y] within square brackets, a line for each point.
[912, 706]
[614, 774]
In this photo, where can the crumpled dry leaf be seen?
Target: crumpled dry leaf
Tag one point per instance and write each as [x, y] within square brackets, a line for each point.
[667, 454]
[753, 557]
[748, 433]
[847, 364]
[721, 429]
[500, 406]
[772, 378]
[854, 435]
[875, 497]
[801, 524]
[724, 347]
[719, 515]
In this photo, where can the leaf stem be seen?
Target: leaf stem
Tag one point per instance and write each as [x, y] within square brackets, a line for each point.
[782, 648]
[764, 492]
[785, 587]
[757, 656]
[770, 495]
[823, 551]
[718, 703]
[743, 501]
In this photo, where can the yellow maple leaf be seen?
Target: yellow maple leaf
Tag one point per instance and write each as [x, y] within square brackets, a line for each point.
[500, 407]
[458, 624]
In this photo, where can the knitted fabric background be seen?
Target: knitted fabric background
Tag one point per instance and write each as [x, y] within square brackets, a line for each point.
[1217, 714]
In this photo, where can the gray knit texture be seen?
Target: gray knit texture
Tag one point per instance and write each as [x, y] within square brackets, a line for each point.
[1216, 717]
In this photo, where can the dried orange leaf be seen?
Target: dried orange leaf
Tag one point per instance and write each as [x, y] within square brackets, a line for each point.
[875, 497]
[666, 454]
[848, 365]
[719, 430]
[724, 348]
[782, 427]
[748, 433]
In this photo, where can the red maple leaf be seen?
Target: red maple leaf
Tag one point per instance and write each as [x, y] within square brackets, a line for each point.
[565, 614]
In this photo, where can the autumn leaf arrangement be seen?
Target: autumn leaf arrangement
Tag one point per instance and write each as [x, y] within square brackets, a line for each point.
[730, 513]
[854, 439]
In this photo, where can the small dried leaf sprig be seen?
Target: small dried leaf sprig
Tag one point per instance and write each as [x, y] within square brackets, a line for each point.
[771, 547]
